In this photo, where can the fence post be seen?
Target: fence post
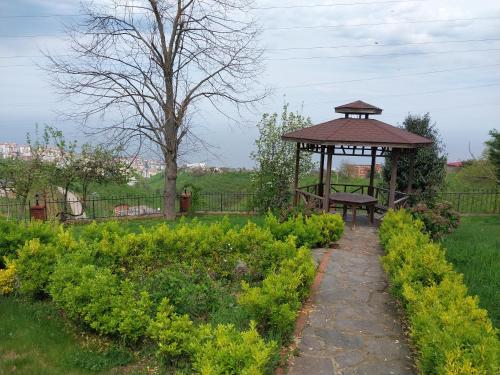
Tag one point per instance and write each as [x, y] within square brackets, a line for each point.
[221, 202]
[458, 203]
[496, 202]
[93, 207]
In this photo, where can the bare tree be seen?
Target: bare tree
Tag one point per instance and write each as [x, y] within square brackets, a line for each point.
[146, 64]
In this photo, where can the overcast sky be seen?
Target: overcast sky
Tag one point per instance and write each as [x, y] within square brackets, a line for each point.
[439, 56]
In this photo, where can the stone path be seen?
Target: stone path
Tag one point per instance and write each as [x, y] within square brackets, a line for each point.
[354, 327]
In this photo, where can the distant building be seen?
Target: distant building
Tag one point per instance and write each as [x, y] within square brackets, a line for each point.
[362, 170]
[454, 166]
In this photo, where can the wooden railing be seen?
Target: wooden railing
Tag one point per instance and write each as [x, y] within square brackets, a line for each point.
[310, 199]
[311, 193]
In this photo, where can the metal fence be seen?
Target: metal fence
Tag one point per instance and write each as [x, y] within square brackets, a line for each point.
[471, 202]
[130, 205]
[474, 202]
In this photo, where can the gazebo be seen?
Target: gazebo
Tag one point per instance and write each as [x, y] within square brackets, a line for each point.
[355, 134]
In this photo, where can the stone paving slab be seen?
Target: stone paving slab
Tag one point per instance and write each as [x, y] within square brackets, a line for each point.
[354, 326]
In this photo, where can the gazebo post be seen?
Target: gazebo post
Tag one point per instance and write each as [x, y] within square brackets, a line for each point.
[296, 177]
[372, 171]
[394, 174]
[411, 172]
[321, 172]
[328, 181]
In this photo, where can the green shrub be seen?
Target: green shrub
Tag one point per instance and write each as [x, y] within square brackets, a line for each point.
[192, 293]
[34, 265]
[220, 350]
[100, 299]
[177, 337]
[13, 235]
[452, 334]
[7, 278]
[228, 351]
[275, 304]
[313, 231]
[440, 219]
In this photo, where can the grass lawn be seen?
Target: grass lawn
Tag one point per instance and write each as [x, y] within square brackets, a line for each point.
[34, 339]
[474, 249]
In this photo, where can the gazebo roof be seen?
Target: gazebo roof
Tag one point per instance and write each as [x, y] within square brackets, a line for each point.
[357, 131]
[358, 106]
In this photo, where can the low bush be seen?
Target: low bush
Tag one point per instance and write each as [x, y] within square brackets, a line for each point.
[275, 304]
[210, 351]
[169, 284]
[439, 219]
[7, 278]
[100, 299]
[13, 235]
[452, 334]
[228, 351]
[313, 231]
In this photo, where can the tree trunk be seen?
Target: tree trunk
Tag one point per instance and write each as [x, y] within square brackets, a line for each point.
[169, 193]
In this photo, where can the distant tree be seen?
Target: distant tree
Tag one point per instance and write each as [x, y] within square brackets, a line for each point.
[345, 169]
[479, 173]
[84, 167]
[22, 176]
[430, 162]
[493, 151]
[276, 159]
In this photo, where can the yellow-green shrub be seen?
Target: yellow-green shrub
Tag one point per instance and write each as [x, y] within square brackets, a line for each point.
[219, 350]
[228, 351]
[13, 235]
[100, 299]
[313, 231]
[275, 304]
[452, 334]
[7, 278]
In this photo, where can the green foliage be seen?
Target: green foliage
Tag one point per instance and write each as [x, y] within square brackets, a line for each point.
[7, 278]
[275, 303]
[229, 351]
[34, 265]
[176, 335]
[170, 281]
[439, 219]
[13, 235]
[275, 159]
[493, 151]
[429, 171]
[220, 350]
[313, 231]
[99, 298]
[452, 334]
[191, 293]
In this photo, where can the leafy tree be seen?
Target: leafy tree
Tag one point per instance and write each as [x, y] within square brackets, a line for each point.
[22, 176]
[276, 159]
[493, 151]
[430, 162]
[90, 165]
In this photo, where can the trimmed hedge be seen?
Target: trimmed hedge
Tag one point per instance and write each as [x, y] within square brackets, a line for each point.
[452, 334]
[166, 284]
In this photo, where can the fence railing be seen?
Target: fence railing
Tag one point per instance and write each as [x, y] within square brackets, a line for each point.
[474, 202]
[471, 202]
[130, 205]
